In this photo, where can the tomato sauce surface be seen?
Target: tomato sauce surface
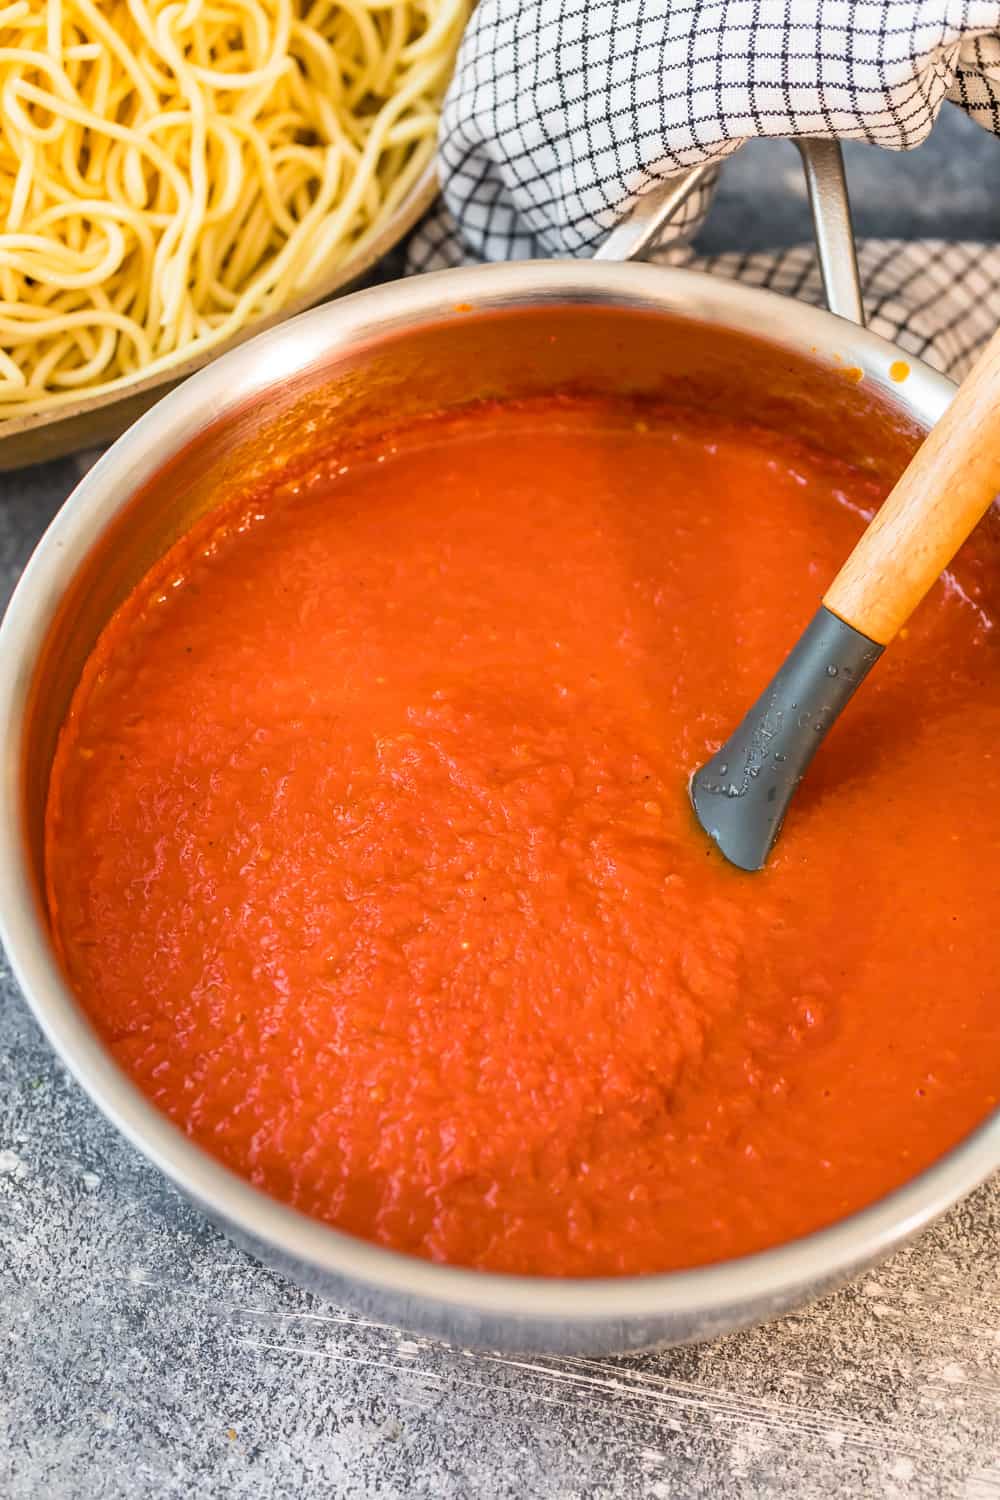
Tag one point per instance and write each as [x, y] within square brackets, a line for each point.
[369, 848]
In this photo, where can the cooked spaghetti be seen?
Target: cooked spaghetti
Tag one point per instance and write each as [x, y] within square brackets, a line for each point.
[172, 169]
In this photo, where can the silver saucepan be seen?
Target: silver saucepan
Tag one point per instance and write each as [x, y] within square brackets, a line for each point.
[395, 351]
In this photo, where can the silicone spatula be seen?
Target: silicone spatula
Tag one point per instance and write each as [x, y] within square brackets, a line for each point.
[741, 795]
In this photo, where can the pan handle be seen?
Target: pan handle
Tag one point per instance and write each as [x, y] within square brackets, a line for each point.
[638, 231]
[826, 183]
[823, 165]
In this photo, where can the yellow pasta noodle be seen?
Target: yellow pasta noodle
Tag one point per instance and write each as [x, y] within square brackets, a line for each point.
[172, 169]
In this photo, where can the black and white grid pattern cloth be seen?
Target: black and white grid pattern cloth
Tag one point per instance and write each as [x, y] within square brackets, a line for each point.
[563, 112]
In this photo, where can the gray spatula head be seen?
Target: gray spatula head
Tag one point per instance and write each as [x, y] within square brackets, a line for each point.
[741, 795]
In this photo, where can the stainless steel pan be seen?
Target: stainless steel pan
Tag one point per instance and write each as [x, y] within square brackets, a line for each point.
[338, 370]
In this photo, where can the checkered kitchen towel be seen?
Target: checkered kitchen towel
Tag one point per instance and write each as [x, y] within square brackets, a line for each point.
[563, 112]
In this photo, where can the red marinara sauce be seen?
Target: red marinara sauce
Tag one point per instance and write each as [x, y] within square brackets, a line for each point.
[370, 855]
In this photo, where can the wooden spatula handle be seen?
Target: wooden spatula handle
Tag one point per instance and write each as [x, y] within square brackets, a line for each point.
[944, 491]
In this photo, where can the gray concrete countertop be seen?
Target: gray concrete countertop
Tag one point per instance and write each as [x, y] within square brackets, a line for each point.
[144, 1356]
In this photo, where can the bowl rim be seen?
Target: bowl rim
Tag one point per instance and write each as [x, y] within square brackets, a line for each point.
[818, 1259]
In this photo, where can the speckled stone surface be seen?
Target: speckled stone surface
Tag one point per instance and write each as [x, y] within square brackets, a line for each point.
[142, 1355]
